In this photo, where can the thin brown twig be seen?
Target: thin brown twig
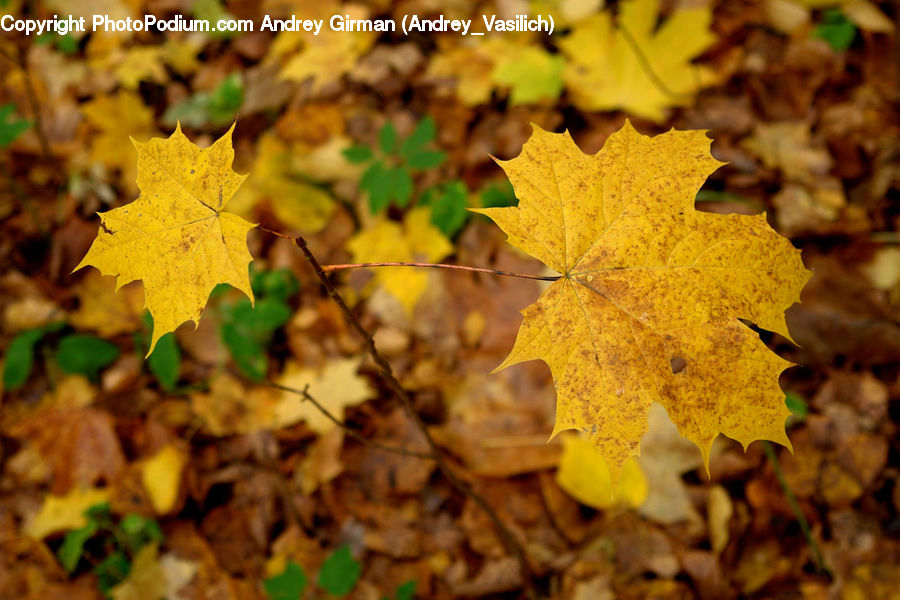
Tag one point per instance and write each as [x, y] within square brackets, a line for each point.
[351, 432]
[330, 268]
[387, 374]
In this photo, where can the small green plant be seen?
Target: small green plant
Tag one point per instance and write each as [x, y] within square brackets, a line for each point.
[10, 127]
[337, 577]
[74, 353]
[217, 108]
[165, 362]
[835, 29]
[115, 544]
[388, 178]
[246, 329]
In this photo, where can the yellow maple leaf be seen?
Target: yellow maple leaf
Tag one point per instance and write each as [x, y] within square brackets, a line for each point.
[651, 291]
[416, 240]
[59, 513]
[176, 237]
[635, 66]
[230, 408]
[335, 387]
[468, 68]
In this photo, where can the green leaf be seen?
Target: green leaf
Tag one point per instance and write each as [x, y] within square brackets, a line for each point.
[339, 573]
[358, 154]
[165, 362]
[426, 159]
[280, 284]
[797, 406]
[405, 591]
[112, 571]
[421, 135]
[377, 181]
[449, 212]
[260, 320]
[836, 30]
[139, 531]
[287, 585]
[72, 548]
[387, 138]
[10, 128]
[247, 354]
[400, 185]
[20, 358]
[218, 108]
[501, 195]
[84, 354]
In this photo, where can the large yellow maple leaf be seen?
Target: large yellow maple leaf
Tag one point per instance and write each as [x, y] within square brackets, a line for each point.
[635, 66]
[176, 237]
[651, 293]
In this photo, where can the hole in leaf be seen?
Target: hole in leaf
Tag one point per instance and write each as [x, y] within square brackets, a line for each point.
[678, 364]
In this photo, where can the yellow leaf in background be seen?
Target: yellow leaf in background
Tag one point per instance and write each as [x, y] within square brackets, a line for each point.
[336, 386]
[648, 304]
[470, 67]
[141, 63]
[634, 65]
[583, 474]
[146, 579]
[416, 240]
[117, 117]
[300, 205]
[231, 409]
[566, 12]
[531, 73]
[789, 146]
[103, 310]
[60, 513]
[176, 237]
[161, 477]
[328, 56]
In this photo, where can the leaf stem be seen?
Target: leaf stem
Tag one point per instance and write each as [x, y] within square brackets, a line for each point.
[795, 508]
[387, 374]
[330, 268]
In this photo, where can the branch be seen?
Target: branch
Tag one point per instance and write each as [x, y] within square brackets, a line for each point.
[351, 432]
[387, 374]
[330, 268]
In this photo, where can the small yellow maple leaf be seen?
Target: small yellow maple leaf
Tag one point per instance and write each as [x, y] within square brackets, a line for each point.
[176, 237]
[59, 513]
[651, 291]
[416, 240]
[335, 387]
[161, 477]
[230, 408]
[469, 66]
[531, 73]
[635, 66]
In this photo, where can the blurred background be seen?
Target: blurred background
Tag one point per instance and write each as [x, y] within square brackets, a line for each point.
[187, 476]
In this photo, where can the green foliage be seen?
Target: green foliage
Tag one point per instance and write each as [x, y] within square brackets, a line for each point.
[448, 206]
[388, 180]
[20, 357]
[119, 542]
[84, 354]
[798, 407]
[246, 329]
[64, 43]
[337, 577]
[287, 585]
[212, 11]
[498, 195]
[404, 591]
[10, 127]
[835, 29]
[339, 572]
[165, 362]
[217, 108]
